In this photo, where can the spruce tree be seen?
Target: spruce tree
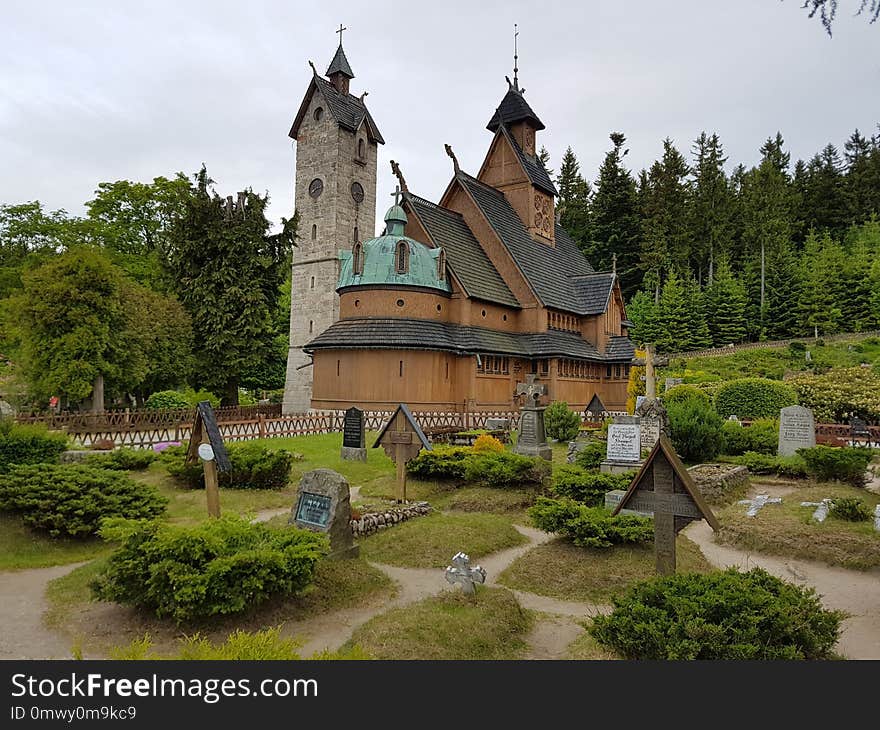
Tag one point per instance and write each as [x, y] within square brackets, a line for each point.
[710, 209]
[642, 311]
[862, 186]
[726, 307]
[574, 199]
[783, 285]
[824, 205]
[614, 225]
[673, 322]
[698, 329]
[822, 293]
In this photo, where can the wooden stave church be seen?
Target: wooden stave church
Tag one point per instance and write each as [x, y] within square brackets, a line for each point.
[512, 295]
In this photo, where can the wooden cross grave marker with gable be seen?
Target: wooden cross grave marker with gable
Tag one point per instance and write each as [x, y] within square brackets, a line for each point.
[206, 443]
[663, 486]
[403, 439]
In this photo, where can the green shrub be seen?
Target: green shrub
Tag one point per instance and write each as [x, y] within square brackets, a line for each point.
[28, 444]
[681, 393]
[194, 397]
[219, 567]
[840, 394]
[828, 463]
[167, 399]
[850, 509]
[792, 467]
[762, 436]
[442, 463]
[504, 470]
[589, 526]
[720, 615]
[72, 499]
[753, 398]
[560, 422]
[591, 455]
[123, 459]
[254, 466]
[695, 430]
[587, 487]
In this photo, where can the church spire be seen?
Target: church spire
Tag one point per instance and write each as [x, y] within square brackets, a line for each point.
[515, 58]
[339, 72]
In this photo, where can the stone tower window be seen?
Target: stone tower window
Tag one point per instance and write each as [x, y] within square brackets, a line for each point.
[311, 326]
[316, 187]
[312, 283]
[319, 114]
[357, 259]
[361, 149]
[441, 266]
[357, 234]
[314, 231]
[402, 257]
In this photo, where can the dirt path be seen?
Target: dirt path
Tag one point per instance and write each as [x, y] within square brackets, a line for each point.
[22, 604]
[551, 636]
[856, 592]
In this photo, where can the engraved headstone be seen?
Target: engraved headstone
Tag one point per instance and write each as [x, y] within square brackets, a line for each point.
[624, 442]
[462, 573]
[664, 487]
[532, 441]
[653, 420]
[323, 504]
[797, 430]
[353, 436]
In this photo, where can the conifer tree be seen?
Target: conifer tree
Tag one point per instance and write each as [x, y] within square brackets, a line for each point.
[574, 198]
[710, 210]
[544, 159]
[698, 329]
[726, 307]
[614, 225]
[642, 310]
[862, 187]
[780, 314]
[821, 294]
[824, 204]
[673, 323]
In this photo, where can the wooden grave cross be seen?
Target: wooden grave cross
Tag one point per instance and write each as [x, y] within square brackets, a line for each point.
[206, 444]
[402, 439]
[663, 486]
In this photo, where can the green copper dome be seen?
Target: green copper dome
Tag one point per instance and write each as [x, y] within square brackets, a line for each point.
[393, 259]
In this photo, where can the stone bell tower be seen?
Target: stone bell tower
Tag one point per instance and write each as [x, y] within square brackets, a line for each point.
[336, 145]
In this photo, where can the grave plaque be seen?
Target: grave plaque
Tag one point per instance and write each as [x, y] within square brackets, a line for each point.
[323, 504]
[353, 443]
[797, 430]
[624, 442]
[663, 486]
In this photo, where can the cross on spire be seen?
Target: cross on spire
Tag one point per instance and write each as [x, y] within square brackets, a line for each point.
[396, 195]
[515, 58]
[341, 28]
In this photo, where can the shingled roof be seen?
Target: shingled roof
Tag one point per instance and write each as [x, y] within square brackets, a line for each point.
[593, 291]
[512, 109]
[550, 270]
[347, 110]
[533, 166]
[340, 64]
[464, 255]
[418, 334]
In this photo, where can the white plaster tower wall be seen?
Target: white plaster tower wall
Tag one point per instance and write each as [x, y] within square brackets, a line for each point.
[328, 223]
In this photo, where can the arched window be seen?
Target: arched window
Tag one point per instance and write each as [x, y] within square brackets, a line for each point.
[361, 148]
[402, 257]
[441, 265]
[357, 259]
[314, 231]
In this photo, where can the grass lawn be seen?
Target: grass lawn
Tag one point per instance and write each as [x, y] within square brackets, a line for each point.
[21, 547]
[98, 626]
[430, 542]
[585, 647]
[786, 529]
[449, 626]
[562, 570]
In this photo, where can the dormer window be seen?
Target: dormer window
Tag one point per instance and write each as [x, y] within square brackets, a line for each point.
[402, 257]
[357, 259]
[441, 265]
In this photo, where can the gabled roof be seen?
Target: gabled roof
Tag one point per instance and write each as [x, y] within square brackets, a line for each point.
[464, 255]
[347, 110]
[620, 348]
[593, 291]
[340, 64]
[532, 166]
[548, 269]
[512, 109]
[417, 429]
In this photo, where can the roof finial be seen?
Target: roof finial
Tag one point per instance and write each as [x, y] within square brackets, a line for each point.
[515, 58]
[396, 195]
[454, 159]
[395, 168]
[614, 263]
[341, 28]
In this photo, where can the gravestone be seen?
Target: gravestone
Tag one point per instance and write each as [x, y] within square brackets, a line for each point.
[497, 424]
[353, 443]
[624, 446]
[672, 382]
[532, 441]
[462, 573]
[323, 504]
[664, 487]
[402, 439]
[797, 430]
[653, 421]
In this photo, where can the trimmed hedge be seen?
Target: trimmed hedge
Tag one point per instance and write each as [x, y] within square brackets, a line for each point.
[753, 398]
[587, 487]
[695, 430]
[123, 459]
[682, 392]
[219, 567]
[167, 399]
[762, 436]
[560, 422]
[830, 463]
[29, 444]
[720, 615]
[589, 526]
[73, 499]
[253, 467]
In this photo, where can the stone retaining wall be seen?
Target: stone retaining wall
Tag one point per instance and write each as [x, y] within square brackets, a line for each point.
[714, 480]
[375, 521]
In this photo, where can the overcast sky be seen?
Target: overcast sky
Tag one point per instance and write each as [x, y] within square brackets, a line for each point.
[95, 90]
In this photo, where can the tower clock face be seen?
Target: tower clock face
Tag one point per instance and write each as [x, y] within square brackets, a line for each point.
[316, 187]
[357, 192]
